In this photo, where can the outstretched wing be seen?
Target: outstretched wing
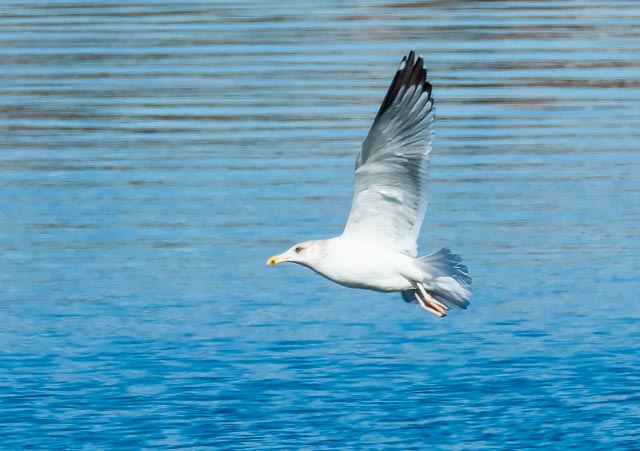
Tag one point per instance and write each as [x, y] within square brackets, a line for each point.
[390, 197]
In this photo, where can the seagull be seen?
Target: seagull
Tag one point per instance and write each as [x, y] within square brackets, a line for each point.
[378, 247]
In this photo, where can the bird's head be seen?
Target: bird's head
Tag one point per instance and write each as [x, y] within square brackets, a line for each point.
[306, 253]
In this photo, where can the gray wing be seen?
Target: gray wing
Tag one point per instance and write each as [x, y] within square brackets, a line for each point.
[390, 197]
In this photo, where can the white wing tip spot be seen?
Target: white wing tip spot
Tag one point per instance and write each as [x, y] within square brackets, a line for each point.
[403, 64]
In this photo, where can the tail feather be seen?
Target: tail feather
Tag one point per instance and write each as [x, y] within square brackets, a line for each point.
[446, 278]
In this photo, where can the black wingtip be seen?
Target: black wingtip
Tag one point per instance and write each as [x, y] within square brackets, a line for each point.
[411, 72]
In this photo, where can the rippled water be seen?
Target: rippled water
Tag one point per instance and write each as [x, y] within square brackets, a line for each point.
[153, 155]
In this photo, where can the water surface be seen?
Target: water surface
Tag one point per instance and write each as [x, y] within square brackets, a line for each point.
[154, 154]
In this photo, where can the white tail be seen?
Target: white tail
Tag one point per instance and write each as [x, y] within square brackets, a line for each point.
[446, 279]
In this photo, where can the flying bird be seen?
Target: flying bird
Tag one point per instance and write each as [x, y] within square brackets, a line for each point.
[378, 247]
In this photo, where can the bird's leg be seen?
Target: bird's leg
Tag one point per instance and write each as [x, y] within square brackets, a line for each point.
[428, 298]
[425, 306]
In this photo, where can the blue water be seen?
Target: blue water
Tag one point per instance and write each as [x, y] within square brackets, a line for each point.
[154, 154]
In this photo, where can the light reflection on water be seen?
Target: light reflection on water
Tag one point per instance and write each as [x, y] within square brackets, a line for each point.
[154, 154]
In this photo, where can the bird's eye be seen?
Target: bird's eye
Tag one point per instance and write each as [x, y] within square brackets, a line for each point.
[298, 249]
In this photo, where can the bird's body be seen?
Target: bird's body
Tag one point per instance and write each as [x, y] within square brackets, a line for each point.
[378, 247]
[362, 264]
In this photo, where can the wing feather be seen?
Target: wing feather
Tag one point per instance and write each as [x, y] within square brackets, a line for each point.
[390, 198]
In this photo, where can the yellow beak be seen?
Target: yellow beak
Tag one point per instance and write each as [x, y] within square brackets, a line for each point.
[275, 260]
